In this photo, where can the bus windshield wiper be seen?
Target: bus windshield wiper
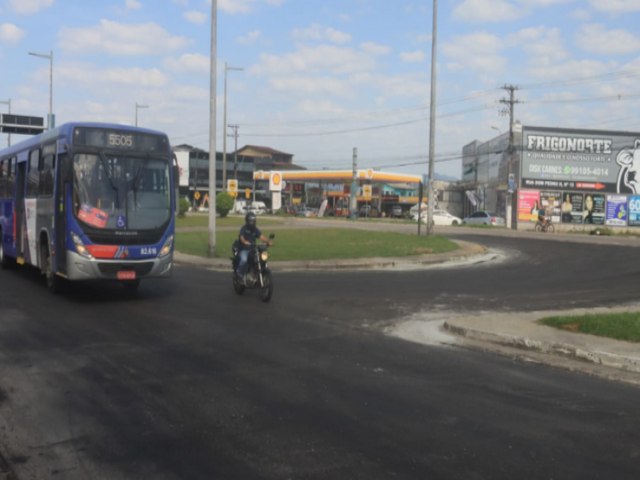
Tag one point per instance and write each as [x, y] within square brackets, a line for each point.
[105, 166]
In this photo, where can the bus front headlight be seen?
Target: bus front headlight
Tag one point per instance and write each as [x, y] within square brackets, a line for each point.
[80, 247]
[167, 247]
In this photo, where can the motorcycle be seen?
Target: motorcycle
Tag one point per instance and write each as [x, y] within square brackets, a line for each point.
[258, 274]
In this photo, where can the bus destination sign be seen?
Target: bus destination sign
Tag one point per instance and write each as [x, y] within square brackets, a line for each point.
[119, 139]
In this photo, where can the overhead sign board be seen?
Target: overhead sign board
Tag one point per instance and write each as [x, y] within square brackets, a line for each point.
[21, 124]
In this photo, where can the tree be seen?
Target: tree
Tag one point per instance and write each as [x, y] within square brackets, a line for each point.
[224, 204]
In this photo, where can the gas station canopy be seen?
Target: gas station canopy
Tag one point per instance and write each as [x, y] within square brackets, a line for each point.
[345, 176]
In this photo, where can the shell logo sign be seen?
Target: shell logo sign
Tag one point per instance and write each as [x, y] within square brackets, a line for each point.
[275, 182]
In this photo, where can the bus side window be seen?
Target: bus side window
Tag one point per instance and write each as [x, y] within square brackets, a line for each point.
[47, 166]
[11, 177]
[33, 177]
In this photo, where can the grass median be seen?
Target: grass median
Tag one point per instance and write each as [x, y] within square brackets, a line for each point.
[619, 326]
[323, 244]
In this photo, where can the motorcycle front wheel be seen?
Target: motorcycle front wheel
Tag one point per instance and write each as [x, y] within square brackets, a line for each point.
[267, 287]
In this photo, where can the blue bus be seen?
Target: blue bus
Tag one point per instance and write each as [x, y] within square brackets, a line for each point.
[89, 201]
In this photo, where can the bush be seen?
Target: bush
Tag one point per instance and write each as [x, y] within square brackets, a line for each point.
[224, 204]
[183, 207]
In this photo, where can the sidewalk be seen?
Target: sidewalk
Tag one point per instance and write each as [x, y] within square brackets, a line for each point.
[521, 330]
[516, 331]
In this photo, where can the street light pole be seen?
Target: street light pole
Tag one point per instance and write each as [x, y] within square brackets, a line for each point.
[8, 104]
[213, 76]
[432, 122]
[49, 56]
[139, 106]
[224, 137]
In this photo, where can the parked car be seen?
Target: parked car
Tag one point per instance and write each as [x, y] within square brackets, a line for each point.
[483, 218]
[396, 211]
[304, 211]
[440, 217]
[257, 207]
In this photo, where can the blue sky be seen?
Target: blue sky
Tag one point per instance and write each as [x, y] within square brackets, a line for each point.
[323, 76]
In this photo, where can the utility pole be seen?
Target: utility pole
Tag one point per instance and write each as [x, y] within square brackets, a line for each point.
[510, 102]
[235, 152]
[353, 199]
[227, 68]
[432, 122]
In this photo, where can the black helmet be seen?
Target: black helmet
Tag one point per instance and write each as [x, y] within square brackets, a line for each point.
[250, 219]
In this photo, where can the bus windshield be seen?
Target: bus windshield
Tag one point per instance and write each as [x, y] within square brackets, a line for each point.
[119, 192]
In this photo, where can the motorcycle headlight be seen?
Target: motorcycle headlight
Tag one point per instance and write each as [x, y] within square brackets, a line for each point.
[167, 247]
[80, 247]
[264, 256]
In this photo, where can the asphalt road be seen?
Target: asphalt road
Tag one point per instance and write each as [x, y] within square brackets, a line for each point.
[186, 380]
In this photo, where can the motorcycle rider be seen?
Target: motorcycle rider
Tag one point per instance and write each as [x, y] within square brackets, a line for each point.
[249, 234]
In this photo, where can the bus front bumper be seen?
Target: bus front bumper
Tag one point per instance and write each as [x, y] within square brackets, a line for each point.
[82, 268]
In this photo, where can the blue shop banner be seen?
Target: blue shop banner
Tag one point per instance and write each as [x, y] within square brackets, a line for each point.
[617, 211]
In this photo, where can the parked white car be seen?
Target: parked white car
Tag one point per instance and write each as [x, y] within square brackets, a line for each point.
[258, 208]
[483, 218]
[440, 217]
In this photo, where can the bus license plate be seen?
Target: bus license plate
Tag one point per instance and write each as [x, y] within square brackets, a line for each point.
[127, 275]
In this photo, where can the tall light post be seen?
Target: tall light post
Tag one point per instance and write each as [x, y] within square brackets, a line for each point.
[50, 121]
[212, 128]
[224, 137]
[8, 104]
[432, 121]
[138, 107]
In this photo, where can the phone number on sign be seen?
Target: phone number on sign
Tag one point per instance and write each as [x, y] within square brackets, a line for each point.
[588, 171]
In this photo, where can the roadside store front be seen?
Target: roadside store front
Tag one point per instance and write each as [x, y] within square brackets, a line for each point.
[581, 178]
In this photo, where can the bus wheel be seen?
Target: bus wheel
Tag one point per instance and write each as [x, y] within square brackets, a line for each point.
[54, 282]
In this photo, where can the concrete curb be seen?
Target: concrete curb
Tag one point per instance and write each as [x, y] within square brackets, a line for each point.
[467, 250]
[625, 362]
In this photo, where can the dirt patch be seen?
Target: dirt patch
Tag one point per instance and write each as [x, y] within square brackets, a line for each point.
[571, 327]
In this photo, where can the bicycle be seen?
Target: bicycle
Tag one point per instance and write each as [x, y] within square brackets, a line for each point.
[546, 226]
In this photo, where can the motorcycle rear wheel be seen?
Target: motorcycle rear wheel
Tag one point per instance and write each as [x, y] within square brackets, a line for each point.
[267, 287]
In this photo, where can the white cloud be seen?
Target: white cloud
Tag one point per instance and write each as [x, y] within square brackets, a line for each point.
[310, 85]
[90, 76]
[595, 38]
[10, 33]
[485, 11]
[189, 62]
[322, 59]
[476, 51]
[250, 38]
[196, 17]
[28, 7]
[616, 6]
[375, 48]
[320, 107]
[543, 45]
[320, 33]
[120, 39]
[133, 5]
[417, 56]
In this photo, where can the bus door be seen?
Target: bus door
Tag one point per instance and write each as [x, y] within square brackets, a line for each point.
[62, 192]
[19, 218]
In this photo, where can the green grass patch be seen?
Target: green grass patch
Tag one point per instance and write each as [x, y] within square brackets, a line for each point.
[202, 220]
[322, 244]
[621, 326]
